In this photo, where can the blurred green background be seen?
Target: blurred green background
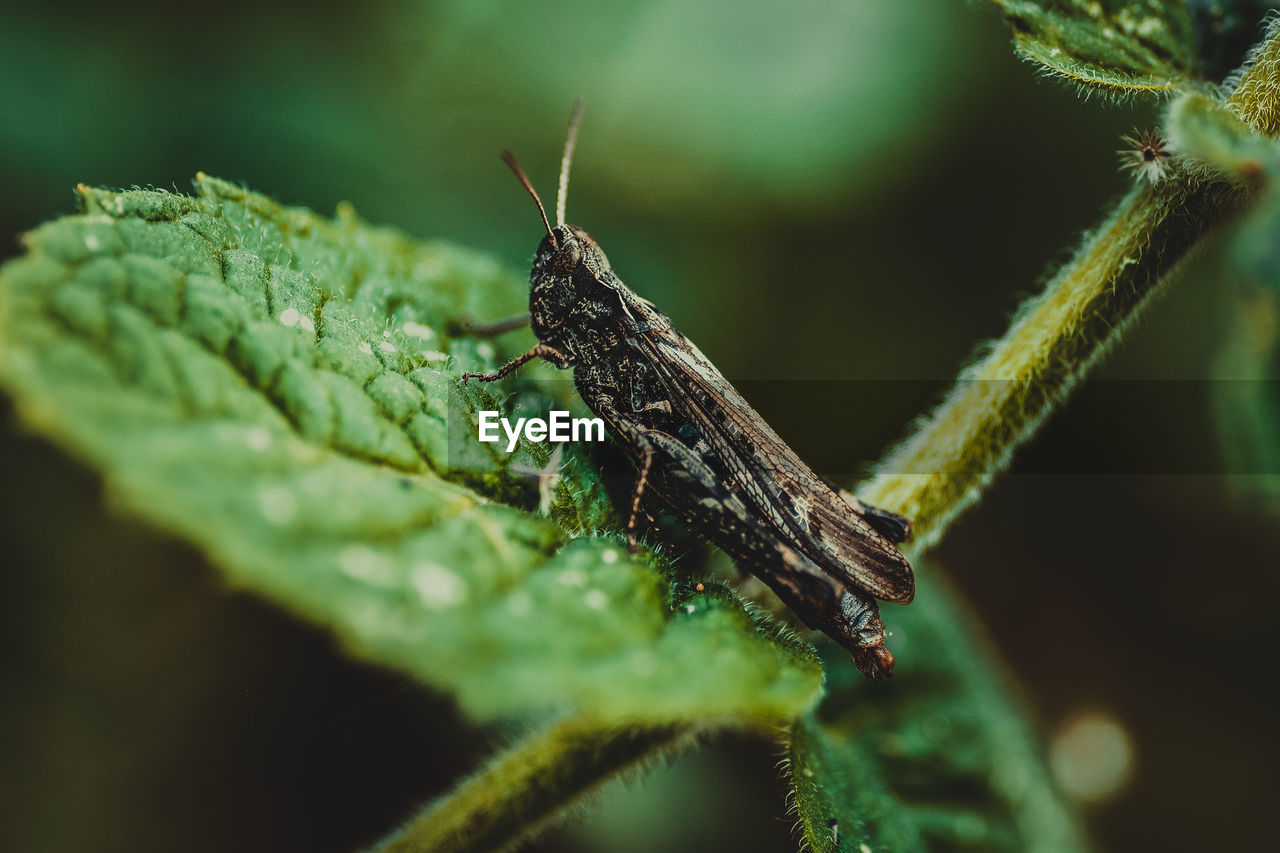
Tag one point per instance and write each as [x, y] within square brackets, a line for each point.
[836, 201]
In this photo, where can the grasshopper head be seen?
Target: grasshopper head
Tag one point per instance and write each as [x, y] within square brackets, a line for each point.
[566, 251]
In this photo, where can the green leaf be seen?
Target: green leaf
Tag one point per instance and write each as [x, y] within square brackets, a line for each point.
[1246, 394]
[940, 759]
[278, 388]
[1119, 47]
[1207, 134]
[1246, 399]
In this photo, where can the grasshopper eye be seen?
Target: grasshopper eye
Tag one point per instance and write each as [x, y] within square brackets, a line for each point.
[567, 257]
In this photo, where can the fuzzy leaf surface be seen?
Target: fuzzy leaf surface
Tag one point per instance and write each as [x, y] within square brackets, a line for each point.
[278, 389]
[1120, 47]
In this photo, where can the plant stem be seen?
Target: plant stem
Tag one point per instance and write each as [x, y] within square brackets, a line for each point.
[525, 790]
[998, 403]
[1056, 337]
[1256, 97]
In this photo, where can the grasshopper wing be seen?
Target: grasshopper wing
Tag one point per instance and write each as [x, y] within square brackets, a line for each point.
[768, 475]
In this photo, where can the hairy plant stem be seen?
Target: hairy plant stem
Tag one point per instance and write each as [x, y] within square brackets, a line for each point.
[931, 477]
[526, 789]
[1256, 96]
[997, 404]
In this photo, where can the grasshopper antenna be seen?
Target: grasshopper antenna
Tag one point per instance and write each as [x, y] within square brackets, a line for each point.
[570, 140]
[510, 160]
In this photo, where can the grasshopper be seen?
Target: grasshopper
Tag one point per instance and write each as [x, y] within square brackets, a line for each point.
[701, 447]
